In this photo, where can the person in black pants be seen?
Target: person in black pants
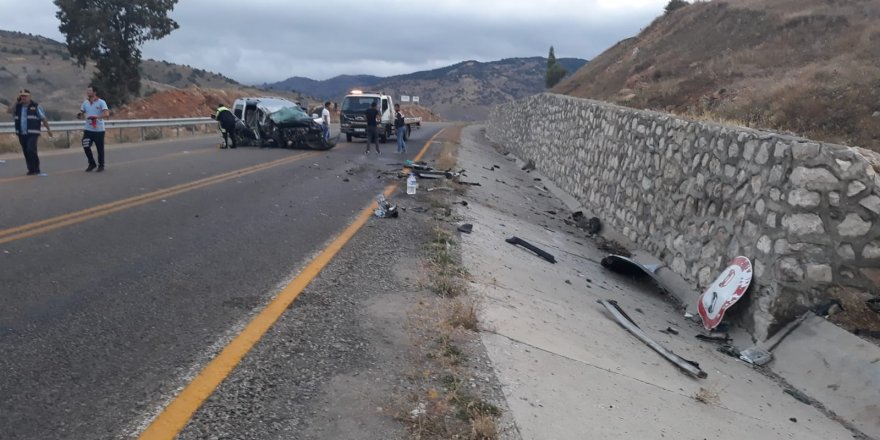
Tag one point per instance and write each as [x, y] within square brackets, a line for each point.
[28, 115]
[372, 127]
[227, 125]
[94, 110]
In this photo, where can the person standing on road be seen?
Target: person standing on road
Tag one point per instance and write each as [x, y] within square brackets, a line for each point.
[28, 115]
[325, 120]
[227, 125]
[372, 115]
[400, 129]
[95, 111]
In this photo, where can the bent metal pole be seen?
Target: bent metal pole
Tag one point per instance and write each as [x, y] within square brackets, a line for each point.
[686, 365]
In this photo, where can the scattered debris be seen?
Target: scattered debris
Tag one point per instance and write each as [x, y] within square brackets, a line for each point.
[420, 209]
[612, 247]
[799, 396]
[594, 226]
[729, 350]
[793, 419]
[669, 331]
[470, 183]
[756, 356]
[726, 290]
[761, 354]
[530, 165]
[628, 266]
[541, 253]
[866, 332]
[489, 169]
[874, 304]
[568, 282]
[690, 367]
[537, 179]
[709, 338]
[419, 411]
[539, 188]
[385, 210]
[551, 212]
[829, 308]
[440, 188]
[467, 228]
[345, 180]
[433, 175]
[463, 203]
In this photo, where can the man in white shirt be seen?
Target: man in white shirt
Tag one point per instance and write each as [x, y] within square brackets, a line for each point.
[94, 110]
[325, 116]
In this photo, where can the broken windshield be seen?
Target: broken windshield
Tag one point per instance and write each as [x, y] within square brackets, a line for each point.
[289, 115]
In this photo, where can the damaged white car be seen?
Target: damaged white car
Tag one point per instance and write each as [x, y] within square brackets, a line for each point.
[278, 122]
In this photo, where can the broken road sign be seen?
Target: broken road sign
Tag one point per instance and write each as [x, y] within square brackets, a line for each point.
[726, 290]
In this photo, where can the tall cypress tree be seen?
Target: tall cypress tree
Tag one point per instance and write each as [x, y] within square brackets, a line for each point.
[555, 71]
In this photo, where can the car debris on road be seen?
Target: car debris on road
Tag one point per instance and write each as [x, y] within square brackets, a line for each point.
[538, 251]
[385, 210]
[627, 323]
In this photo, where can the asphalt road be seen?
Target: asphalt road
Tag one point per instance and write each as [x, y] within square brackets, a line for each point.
[117, 287]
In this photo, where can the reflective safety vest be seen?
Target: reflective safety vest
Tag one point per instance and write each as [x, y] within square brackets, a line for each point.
[33, 118]
[219, 110]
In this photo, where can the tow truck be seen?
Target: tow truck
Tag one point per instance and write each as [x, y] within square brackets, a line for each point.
[354, 121]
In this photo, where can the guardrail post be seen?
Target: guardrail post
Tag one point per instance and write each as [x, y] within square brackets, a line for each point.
[142, 134]
[68, 138]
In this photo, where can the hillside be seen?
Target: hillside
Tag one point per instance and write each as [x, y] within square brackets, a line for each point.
[811, 67]
[330, 89]
[44, 67]
[463, 91]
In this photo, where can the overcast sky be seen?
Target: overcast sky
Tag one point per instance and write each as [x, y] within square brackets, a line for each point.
[257, 41]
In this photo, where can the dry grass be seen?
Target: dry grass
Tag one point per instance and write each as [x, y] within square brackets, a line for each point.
[464, 313]
[441, 402]
[709, 395]
[855, 314]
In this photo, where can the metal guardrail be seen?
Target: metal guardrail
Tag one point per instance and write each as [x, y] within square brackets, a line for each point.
[60, 126]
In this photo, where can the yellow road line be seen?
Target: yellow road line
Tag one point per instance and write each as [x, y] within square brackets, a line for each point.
[177, 414]
[43, 226]
[114, 165]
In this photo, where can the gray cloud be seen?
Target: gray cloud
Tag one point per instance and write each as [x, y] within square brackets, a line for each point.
[269, 40]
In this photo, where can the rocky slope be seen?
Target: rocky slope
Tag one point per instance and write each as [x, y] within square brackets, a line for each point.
[811, 67]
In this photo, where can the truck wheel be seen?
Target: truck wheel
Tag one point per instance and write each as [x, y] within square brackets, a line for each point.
[348, 137]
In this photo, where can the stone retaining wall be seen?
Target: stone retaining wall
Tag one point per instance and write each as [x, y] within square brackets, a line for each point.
[697, 194]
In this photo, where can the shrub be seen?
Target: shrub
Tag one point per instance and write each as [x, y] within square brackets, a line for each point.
[675, 4]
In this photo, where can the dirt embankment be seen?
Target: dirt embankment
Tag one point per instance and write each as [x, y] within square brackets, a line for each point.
[197, 102]
[182, 103]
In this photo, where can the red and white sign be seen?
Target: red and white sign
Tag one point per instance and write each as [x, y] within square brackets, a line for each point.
[726, 290]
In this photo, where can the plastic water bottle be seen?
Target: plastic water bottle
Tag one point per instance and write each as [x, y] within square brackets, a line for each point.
[411, 184]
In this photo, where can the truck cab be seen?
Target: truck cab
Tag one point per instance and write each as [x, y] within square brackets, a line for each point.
[354, 122]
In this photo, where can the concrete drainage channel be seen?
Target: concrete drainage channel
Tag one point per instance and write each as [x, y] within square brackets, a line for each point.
[565, 365]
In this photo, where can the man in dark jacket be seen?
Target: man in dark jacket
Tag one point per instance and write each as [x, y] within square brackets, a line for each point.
[28, 116]
[227, 124]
